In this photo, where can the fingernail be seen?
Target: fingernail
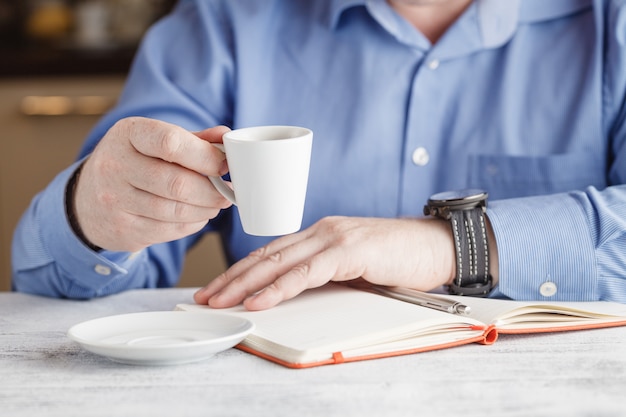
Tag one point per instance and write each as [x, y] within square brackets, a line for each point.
[202, 290]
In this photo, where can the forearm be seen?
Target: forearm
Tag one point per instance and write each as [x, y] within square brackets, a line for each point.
[574, 241]
[49, 259]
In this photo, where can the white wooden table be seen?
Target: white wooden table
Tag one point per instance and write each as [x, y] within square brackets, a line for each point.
[43, 373]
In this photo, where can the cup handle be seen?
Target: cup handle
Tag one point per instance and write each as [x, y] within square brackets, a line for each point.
[224, 189]
[220, 184]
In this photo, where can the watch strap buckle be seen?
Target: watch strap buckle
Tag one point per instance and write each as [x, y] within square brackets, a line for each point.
[472, 290]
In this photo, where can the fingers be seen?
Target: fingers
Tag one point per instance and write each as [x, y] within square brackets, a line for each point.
[297, 279]
[280, 270]
[213, 134]
[174, 144]
[237, 273]
[134, 233]
[162, 209]
[146, 182]
[174, 182]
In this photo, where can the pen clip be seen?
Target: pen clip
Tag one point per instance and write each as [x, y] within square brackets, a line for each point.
[423, 299]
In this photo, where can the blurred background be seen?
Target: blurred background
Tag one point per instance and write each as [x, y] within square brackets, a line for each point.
[61, 37]
[63, 64]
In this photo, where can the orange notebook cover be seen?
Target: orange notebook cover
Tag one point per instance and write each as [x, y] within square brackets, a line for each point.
[337, 324]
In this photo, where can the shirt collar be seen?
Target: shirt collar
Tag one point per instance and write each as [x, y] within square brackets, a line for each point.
[540, 10]
[337, 7]
[497, 19]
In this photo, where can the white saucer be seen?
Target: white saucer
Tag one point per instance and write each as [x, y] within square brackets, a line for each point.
[161, 337]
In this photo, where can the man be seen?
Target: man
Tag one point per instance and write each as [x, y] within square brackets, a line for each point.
[522, 99]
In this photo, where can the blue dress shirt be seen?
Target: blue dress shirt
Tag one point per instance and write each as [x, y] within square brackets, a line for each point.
[522, 98]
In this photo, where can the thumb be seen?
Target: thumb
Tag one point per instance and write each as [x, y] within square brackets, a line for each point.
[213, 134]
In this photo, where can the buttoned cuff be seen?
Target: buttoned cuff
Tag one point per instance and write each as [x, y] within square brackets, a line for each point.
[96, 271]
[545, 249]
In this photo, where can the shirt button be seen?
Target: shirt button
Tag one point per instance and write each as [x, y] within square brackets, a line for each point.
[433, 64]
[102, 269]
[547, 289]
[420, 156]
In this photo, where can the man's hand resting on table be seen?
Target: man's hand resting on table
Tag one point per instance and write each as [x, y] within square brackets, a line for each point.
[415, 253]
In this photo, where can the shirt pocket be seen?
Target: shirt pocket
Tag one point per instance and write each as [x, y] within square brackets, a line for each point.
[506, 176]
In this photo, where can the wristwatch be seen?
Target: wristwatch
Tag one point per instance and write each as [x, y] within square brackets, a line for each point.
[465, 210]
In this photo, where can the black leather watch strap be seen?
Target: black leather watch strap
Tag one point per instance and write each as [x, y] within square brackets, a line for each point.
[465, 211]
[472, 253]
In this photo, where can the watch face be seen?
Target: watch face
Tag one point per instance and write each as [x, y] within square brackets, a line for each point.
[466, 196]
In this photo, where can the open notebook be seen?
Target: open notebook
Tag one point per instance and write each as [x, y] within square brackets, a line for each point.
[336, 323]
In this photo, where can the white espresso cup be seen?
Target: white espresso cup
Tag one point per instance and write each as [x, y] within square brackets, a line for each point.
[269, 171]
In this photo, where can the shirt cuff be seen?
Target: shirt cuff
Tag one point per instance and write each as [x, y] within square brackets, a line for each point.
[545, 249]
[82, 265]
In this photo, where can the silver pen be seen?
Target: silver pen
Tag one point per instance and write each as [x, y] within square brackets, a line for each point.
[423, 299]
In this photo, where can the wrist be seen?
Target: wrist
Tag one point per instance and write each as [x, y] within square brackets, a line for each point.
[493, 253]
[442, 251]
[70, 210]
[464, 211]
